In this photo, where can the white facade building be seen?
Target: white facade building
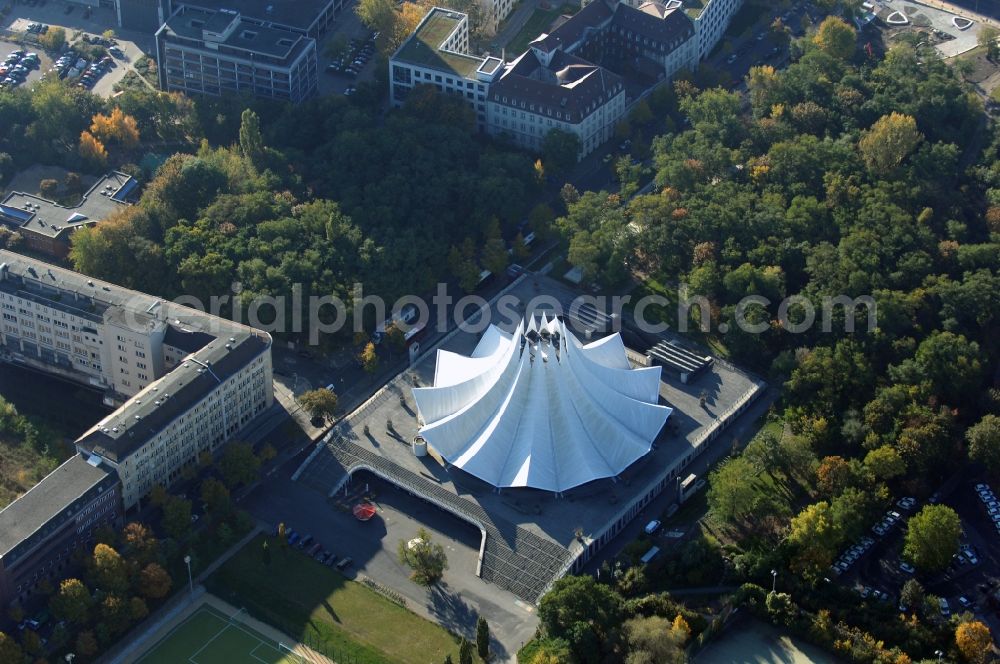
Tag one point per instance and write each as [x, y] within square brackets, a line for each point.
[712, 22]
[556, 84]
[185, 381]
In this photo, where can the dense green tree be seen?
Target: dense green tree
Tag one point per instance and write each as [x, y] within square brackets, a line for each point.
[912, 595]
[251, 140]
[560, 151]
[578, 605]
[483, 638]
[177, 517]
[885, 463]
[425, 557]
[731, 490]
[835, 37]
[464, 651]
[238, 464]
[984, 442]
[815, 536]
[72, 602]
[932, 538]
[321, 402]
[215, 496]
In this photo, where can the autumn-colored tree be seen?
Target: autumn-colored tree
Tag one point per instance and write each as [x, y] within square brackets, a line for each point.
[154, 582]
[815, 537]
[48, 188]
[72, 602]
[835, 37]
[369, 359]
[93, 150]
[833, 475]
[974, 641]
[115, 613]
[115, 128]
[321, 403]
[140, 541]
[889, 141]
[107, 570]
[10, 651]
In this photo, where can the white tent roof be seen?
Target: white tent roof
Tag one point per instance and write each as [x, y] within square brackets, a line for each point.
[523, 413]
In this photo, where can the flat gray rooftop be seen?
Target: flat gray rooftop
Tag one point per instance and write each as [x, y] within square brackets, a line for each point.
[530, 533]
[299, 14]
[249, 38]
[50, 218]
[44, 501]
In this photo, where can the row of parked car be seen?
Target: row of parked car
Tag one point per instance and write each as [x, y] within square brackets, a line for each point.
[16, 67]
[308, 545]
[892, 517]
[358, 55]
[38, 28]
[69, 65]
[861, 547]
[851, 555]
[990, 504]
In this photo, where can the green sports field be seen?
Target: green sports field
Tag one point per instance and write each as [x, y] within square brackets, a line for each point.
[209, 637]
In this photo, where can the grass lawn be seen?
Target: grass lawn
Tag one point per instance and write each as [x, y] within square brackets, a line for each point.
[208, 637]
[537, 23]
[316, 605]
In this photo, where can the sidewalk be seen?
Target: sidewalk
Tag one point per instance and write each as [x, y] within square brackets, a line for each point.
[959, 11]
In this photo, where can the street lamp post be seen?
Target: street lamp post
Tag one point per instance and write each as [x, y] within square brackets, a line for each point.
[70, 657]
[940, 654]
[774, 580]
[187, 561]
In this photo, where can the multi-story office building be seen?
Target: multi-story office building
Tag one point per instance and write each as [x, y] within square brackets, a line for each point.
[712, 22]
[218, 51]
[541, 91]
[40, 531]
[46, 226]
[310, 18]
[581, 78]
[437, 54]
[185, 381]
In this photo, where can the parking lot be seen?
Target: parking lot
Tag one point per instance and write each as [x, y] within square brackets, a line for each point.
[873, 566]
[337, 46]
[80, 25]
[21, 66]
[353, 60]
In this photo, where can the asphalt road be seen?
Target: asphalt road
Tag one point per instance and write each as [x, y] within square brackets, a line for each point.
[455, 603]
